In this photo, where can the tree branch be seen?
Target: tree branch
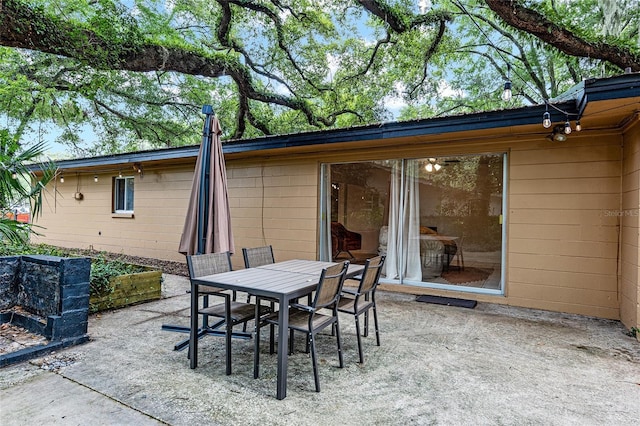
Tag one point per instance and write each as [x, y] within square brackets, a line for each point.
[29, 28]
[534, 23]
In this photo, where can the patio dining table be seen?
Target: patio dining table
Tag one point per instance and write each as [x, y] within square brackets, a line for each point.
[282, 281]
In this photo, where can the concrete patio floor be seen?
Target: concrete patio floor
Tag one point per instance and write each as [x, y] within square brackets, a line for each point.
[437, 365]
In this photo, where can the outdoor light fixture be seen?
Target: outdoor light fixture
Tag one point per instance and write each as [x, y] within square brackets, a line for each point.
[138, 168]
[566, 127]
[506, 94]
[61, 179]
[119, 173]
[558, 135]
[95, 178]
[14, 174]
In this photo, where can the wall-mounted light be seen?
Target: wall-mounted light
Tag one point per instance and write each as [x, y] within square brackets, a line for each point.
[119, 173]
[95, 178]
[61, 179]
[558, 134]
[138, 168]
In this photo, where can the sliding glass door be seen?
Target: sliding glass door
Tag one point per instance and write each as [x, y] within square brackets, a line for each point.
[437, 220]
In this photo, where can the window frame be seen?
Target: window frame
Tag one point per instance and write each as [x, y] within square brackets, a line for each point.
[116, 193]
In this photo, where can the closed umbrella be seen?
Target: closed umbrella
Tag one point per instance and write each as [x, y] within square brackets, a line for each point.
[207, 226]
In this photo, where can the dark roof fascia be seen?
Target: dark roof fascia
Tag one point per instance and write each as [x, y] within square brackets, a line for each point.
[572, 104]
[392, 130]
[618, 87]
[601, 89]
[126, 158]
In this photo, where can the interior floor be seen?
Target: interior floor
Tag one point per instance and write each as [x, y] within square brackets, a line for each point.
[480, 269]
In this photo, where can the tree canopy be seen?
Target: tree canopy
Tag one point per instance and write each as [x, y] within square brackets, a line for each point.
[137, 72]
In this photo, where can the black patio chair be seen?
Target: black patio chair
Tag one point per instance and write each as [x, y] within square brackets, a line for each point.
[308, 319]
[258, 256]
[205, 265]
[229, 311]
[360, 300]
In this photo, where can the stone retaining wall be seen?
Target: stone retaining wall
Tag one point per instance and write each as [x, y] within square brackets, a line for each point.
[52, 294]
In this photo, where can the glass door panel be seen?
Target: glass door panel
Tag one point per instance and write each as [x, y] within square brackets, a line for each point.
[460, 201]
[438, 220]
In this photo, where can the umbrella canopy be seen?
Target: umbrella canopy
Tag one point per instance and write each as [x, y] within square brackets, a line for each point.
[207, 225]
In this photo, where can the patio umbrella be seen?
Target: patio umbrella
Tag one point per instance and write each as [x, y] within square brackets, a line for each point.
[207, 226]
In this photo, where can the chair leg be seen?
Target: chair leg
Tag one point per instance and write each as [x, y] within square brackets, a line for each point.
[359, 339]
[244, 326]
[314, 361]
[291, 342]
[375, 323]
[366, 324]
[256, 345]
[340, 358]
[228, 336]
[272, 338]
[205, 318]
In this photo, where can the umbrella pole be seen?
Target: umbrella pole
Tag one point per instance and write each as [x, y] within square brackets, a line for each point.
[202, 229]
[207, 110]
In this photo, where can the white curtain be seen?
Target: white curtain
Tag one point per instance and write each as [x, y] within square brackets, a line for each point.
[325, 214]
[403, 247]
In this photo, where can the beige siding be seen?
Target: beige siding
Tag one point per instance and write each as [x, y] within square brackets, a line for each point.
[629, 254]
[566, 221]
[275, 203]
[160, 202]
[563, 226]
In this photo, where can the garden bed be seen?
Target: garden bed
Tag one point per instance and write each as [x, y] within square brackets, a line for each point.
[129, 289]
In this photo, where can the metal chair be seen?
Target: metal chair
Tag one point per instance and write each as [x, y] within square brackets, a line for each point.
[254, 257]
[205, 265]
[257, 256]
[307, 319]
[229, 311]
[360, 300]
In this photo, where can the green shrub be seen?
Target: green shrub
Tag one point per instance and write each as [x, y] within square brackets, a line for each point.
[102, 270]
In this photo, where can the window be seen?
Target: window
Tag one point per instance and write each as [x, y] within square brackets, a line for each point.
[123, 195]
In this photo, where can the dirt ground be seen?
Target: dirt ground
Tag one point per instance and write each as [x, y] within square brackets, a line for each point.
[437, 365]
[167, 266]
